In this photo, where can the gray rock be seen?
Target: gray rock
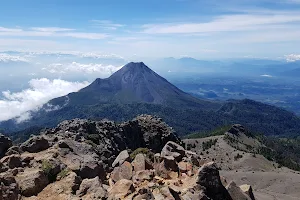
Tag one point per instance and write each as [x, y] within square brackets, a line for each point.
[174, 150]
[170, 163]
[121, 158]
[91, 170]
[209, 178]
[144, 194]
[235, 192]
[14, 161]
[122, 188]
[92, 189]
[35, 144]
[13, 150]
[9, 189]
[5, 144]
[247, 189]
[122, 172]
[32, 182]
[140, 162]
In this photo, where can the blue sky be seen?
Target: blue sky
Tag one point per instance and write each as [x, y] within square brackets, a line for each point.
[49, 48]
[156, 28]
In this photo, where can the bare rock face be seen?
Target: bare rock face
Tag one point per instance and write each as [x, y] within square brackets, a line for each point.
[9, 189]
[5, 144]
[32, 182]
[209, 178]
[247, 189]
[35, 144]
[235, 192]
[13, 150]
[78, 160]
[149, 132]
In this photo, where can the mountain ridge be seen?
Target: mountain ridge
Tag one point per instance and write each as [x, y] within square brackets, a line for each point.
[136, 89]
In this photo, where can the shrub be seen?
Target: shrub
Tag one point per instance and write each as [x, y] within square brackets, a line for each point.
[149, 154]
[63, 173]
[47, 169]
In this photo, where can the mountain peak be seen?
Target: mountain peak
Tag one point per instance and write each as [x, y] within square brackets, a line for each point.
[135, 66]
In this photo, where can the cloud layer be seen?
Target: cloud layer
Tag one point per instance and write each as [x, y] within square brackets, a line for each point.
[100, 69]
[17, 105]
[292, 57]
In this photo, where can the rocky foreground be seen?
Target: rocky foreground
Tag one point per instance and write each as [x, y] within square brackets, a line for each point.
[138, 159]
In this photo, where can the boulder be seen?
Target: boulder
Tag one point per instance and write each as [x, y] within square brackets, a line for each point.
[92, 189]
[63, 189]
[121, 189]
[143, 175]
[35, 144]
[5, 144]
[121, 158]
[194, 193]
[9, 188]
[170, 164]
[91, 170]
[174, 150]
[149, 132]
[163, 193]
[185, 167]
[14, 161]
[247, 189]
[32, 182]
[235, 192]
[140, 162]
[122, 172]
[13, 150]
[208, 177]
[144, 194]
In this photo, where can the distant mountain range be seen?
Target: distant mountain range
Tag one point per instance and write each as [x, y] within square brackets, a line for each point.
[136, 89]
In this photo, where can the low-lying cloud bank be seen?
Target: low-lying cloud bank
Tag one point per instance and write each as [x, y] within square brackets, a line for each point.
[75, 67]
[18, 105]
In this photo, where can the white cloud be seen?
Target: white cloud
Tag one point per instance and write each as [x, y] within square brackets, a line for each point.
[12, 58]
[50, 32]
[102, 70]
[3, 29]
[292, 57]
[82, 35]
[18, 105]
[51, 29]
[266, 75]
[225, 23]
[106, 24]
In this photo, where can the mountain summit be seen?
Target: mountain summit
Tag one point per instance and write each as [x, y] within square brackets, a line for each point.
[133, 83]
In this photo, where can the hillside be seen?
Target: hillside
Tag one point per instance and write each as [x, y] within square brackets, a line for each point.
[238, 155]
[86, 160]
[136, 89]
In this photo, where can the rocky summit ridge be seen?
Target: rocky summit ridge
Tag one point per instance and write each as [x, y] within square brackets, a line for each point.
[83, 159]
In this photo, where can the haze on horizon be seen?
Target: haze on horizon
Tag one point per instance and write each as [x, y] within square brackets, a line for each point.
[49, 49]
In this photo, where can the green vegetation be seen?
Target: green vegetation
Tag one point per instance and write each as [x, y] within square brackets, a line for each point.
[237, 157]
[284, 151]
[218, 131]
[208, 144]
[149, 154]
[47, 169]
[63, 173]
